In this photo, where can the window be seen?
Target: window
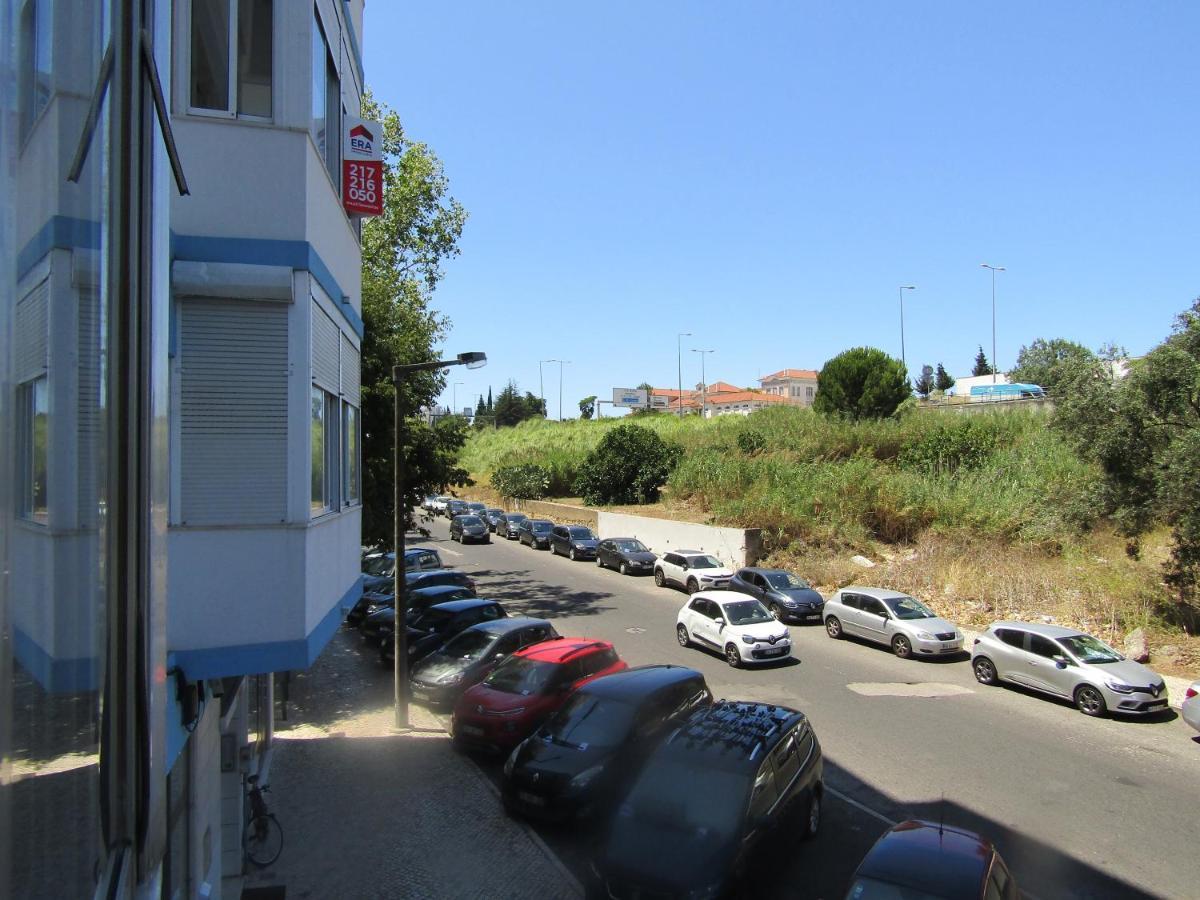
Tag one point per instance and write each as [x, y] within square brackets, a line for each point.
[764, 795]
[1044, 647]
[350, 455]
[35, 60]
[1012, 638]
[873, 606]
[786, 759]
[34, 410]
[232, 61]
[321, 426]
[808, 393]
[326, 102]
[852, 601]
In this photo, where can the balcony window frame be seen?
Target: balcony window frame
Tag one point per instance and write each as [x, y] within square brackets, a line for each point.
[233, 80]
[29, 453]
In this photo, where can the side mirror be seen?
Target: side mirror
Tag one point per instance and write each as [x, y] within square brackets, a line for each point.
[1061, 662]
[720, 623]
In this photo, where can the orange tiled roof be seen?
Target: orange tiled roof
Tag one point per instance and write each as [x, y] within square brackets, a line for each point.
[790, 373]
[744, 397]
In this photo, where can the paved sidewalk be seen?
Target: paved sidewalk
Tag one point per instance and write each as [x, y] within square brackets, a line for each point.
[368, 813]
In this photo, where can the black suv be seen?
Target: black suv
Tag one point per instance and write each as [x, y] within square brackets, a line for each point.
[574, 541]
[455, 508]
[535, 533]
[589, 751]
[509, 524]
[721, 799]
[436, 625]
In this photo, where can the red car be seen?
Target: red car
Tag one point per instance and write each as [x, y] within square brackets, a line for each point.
[508, 705]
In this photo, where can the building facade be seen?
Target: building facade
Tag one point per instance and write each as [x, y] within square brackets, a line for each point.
[180, 326]
[797, 386]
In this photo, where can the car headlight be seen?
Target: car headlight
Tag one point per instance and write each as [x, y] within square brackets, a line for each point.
[926, 636]
[789, 603]
[1119, 686]
[747, 639]
[452, 678]
[586, 777]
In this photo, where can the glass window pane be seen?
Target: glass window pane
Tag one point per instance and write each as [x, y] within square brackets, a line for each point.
[320, 498]
[255, 57]
[333, 122]
[210, 54]
[352, 461]
[39, 449]
[319, 55]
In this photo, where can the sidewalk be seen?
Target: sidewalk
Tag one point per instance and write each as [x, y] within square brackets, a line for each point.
[368, 813]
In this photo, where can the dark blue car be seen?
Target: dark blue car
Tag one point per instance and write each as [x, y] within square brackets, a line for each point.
[788, 597]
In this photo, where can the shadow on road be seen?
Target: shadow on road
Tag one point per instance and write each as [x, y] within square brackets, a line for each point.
[523, 595]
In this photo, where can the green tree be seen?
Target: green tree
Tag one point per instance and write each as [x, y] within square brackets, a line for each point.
[982, 366]
[629, 465]
[587, 407]
[1046, 363]
[1144, 432]
[925, 384]
[861, 383]
[943, 380]
[513, 409]
[403, 252]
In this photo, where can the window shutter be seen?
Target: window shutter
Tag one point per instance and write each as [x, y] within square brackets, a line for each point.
[324, 350]
[32, 333]
[233, 441]
[89, 406]
[350, 369]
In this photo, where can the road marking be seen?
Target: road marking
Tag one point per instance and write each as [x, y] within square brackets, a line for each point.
[448, 550]
[907, 689]
[635, 630]
[862, 807]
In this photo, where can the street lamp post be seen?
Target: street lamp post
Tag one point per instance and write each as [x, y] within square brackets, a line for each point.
[994, 269]
[541, 385]
[399, 631]
[561, 363]
[679, 365]
[454, 394]
[903, 358]
[703, 381]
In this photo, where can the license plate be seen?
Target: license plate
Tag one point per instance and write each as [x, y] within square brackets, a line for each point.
[531, 799]
[775, 651]
[472, 730]
[419, 694]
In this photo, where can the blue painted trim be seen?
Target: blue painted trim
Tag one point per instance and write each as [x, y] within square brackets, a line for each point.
[358, 62]
[268, 252]
[276, 656]
[58, 676]
[59, 233]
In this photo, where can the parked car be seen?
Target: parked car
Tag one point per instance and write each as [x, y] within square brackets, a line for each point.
[455, 508]
[415, 580]
[787, 597]
[1191, 705]
[626, 555]
[370, 600]
[573, 541]
[691, 570]
[429, 502]
[927, 859]
[382, 594]
[723, 799]
[897, 620]
[493, 518]
[587, 754]
[437, 624]
[415, 558]
[439, 504]
[468, 528]
[736, 626]
[1067, 663]
[535, 533]
[467, 658]
[381, 614]
[509, 525]
[505, 708]
[475, 508]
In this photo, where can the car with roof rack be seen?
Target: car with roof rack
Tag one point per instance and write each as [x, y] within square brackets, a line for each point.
[726, 795]
[893, 619]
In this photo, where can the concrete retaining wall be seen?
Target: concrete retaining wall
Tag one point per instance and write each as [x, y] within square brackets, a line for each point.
[561, 513]
[736, 547]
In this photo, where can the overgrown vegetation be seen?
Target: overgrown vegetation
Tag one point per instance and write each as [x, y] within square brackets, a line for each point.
[629, 465]
[524, 482]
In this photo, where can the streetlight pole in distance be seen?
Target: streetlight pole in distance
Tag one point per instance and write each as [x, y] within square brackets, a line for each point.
[400, 632]
[679, 365]
[703, 380]
[903, 358]
[454, 395]
[542, 388]
[561, 363]
[994, 269]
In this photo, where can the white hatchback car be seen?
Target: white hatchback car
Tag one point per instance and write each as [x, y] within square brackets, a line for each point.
[733, 624]
[902, 622]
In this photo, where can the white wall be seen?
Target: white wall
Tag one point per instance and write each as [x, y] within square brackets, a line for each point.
[735, 547]
[332, 562]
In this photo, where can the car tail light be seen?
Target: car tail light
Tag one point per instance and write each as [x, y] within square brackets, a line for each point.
[1191, 692]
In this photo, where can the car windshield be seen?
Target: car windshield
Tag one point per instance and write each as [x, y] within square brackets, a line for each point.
[704, 562]
[631, 547]
[586, 721]
[665, 798]
[909, 608]
[381, 565]
[745, 612]
[470, 520]
[516, 517]
[433, 620]
[495, 512]
[470, 645]
[1088, 649]
[518, 675]
[783, 581]
[873, 889]
[541, 527]
[581, 534]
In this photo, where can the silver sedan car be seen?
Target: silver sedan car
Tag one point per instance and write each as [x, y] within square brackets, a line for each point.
[901, 622]
[1066, 663]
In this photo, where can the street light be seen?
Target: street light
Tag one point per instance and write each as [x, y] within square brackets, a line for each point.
[400, 632]
[541, 387]
[994, 269]
[903, 358]
[679, 365]
[561, 363]
[703, 381]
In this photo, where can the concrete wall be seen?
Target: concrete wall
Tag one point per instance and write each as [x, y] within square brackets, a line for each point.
[562, 513]
[735, 547]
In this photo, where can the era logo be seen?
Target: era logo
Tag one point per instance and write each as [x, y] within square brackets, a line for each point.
[361, 140]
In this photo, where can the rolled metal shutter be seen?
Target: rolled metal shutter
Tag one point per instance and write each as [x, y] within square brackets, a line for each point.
[234, 412]
[89, 406]
[32, 333]
[325, 338]
[350, 372]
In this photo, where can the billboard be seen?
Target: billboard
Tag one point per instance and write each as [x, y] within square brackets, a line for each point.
[659, 401]
[631, 397]
[362, 167]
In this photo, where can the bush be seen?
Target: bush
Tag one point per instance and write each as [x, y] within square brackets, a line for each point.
[861, 383]
[949, 446]
[629, 465]
[524, 482]
[751, 442]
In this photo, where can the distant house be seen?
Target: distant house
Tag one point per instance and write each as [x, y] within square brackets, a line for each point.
[740, 402]
[716, 399]
[797, 387]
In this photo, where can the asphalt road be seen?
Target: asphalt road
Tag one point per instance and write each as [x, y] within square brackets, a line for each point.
[1078, 807]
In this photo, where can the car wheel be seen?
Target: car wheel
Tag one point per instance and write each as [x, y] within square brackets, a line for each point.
[1090, 701]
[833, 627]
[681, 635]
[985, 670]
[732, 656]
[812, 819]
[624, 569]
[776, 612]
[692, 587]
[571, 554]
[659, 579]
[902, 646]
[599, 562]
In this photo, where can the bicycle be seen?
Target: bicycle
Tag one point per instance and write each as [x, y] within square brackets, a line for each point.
[263, 837]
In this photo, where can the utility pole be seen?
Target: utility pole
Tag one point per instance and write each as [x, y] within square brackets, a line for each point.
[703, 381]
[679, 365]
[994, 269]
[903, 358]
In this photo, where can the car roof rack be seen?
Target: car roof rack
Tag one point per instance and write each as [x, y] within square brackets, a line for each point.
[736, 727]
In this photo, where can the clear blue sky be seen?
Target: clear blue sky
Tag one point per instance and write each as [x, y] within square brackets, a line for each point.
[765, 175]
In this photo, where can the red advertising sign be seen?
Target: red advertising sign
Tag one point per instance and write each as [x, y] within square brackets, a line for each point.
[362, 168]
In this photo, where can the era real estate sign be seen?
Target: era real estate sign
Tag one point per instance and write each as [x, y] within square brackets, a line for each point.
[362, 167]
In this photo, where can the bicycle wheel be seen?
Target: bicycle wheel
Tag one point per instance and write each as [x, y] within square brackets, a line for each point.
[263, 840]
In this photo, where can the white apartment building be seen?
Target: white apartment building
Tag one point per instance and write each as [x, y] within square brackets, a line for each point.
[797, 386]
